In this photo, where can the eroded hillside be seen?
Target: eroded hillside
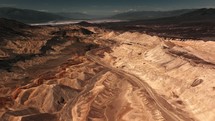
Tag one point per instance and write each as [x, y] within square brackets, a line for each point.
[182, 73]
[71, 72]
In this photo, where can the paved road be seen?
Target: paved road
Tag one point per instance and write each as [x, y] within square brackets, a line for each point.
[163, 106]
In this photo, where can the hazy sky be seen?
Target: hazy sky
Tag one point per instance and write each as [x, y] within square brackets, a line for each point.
[105, 6]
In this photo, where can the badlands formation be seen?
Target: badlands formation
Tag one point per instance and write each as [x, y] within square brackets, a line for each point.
[75, 73]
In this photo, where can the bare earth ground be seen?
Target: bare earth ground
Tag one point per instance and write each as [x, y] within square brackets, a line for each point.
[91, 74]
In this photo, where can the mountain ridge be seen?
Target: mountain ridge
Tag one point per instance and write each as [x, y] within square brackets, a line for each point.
[145, 15]
[76, 15]
[27, 15]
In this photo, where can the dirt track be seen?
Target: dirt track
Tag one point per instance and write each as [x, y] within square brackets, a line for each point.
[168, 112]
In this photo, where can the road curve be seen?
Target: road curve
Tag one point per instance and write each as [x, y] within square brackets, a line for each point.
[162, 105]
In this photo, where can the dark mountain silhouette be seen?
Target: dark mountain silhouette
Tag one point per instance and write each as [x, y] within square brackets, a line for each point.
[144, 15]
[76, 15]
[201, 16]
[28, 16]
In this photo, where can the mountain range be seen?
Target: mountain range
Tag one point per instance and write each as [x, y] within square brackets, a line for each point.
[76, 15]
[203, 16]
[28, 16]
[33, 16]
[143, 15]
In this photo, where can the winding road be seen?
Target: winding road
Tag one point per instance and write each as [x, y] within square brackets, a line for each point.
[169, 113]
